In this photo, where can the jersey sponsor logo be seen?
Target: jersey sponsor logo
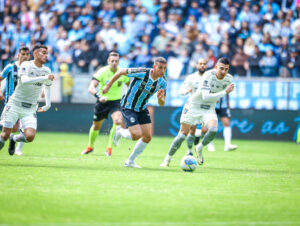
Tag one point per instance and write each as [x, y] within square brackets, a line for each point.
[38, 84]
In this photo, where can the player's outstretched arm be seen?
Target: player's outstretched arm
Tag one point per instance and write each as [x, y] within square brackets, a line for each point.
[26, 79]
[207, 96]
[117, 75]
[47, 105]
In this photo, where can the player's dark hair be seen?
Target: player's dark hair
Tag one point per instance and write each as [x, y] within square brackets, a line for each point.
[114, 54]
[160, 60]
[223, 60]
[39, 46]
[23, 48]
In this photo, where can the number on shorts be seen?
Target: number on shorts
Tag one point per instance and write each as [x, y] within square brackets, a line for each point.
[185, 111]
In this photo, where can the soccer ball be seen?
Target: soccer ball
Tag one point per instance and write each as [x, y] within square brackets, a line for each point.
[188, 163]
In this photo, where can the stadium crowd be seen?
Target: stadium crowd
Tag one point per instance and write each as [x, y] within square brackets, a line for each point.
[261, 38]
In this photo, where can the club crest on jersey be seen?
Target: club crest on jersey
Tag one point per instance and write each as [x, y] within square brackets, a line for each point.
[132, 119]
[119, 83]
[224, 86]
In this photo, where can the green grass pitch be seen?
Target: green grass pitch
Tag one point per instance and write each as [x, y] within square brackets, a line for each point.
[52, 184]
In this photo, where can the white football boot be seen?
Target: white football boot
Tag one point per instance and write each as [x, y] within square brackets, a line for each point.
[200, 158]
[132, 164]
[231, 147]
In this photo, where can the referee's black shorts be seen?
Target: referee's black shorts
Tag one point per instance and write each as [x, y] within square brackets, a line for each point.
[102, 110]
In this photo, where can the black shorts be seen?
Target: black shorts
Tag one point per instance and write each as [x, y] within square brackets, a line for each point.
[223, 112]
[132, 118]
[102, 110]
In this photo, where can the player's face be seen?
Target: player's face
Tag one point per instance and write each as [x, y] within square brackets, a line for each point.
[201, 66]
[42, 55]
[24, 55]
[113, 62]
[222, 70]
[160, 69]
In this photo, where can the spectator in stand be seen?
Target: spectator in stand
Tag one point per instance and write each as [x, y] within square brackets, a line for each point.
[252, 64]
[294, 63]
[168, 52]
[85, 57]
[238, 63]
[199, 53]
[268, 64]
[161, 40]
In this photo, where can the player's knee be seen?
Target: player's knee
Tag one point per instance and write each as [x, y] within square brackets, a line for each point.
[118, 122]
[146, 139]
[5, 135]
[136, 135]
[30, 137]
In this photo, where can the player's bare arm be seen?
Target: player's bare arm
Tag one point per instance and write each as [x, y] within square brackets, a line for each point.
[47, 106]
[1, 93]
[117, 75]
[93, 90]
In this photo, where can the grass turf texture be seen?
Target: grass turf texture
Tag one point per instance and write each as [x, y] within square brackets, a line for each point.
[52, 184]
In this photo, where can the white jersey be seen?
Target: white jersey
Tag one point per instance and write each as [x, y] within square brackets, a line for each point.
[191, 81]
[211, 83]
[30, 81]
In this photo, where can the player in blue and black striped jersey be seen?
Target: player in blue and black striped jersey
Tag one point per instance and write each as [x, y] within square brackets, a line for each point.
[10, 74]
[146, 82]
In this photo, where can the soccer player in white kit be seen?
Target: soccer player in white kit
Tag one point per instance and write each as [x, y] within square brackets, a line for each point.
[190, 86]
[22, 105]
[200, 108]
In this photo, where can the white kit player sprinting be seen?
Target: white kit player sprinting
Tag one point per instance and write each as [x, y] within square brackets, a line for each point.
[190, 86]
[22, 105]
[200, 108]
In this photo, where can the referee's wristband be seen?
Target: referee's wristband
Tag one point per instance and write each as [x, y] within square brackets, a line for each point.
[97, 95]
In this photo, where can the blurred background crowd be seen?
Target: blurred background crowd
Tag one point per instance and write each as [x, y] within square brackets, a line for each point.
[261, 38]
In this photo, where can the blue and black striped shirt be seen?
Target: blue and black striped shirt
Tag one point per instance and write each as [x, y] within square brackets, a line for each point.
[10, 73]
[141, 88]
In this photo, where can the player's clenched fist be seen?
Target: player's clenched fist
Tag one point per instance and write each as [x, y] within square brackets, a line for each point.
[160, 93]
[51, 77]
[229, 88]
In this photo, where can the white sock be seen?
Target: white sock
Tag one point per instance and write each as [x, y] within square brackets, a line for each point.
[19, 138]
[168, 158]
[138, 149]
[20, 145]
[125, 133]
[227, 135]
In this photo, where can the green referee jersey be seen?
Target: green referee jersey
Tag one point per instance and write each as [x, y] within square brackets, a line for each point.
[104, 75]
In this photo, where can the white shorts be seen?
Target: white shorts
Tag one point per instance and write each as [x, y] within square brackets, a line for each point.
[13, 112]
[195, 115]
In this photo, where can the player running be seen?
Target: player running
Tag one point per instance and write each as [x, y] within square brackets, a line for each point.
[10, 75]
[190, 86]
[108, 103]
[22, 105]
[200, 108]
[146, 82]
